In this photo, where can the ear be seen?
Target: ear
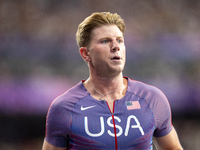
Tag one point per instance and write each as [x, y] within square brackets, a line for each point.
[84, 54]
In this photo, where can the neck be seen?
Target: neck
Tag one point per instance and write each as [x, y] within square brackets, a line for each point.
[105, 84]
[102, 95]
[102, 89]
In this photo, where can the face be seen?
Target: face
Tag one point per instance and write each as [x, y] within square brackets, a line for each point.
[107, 51]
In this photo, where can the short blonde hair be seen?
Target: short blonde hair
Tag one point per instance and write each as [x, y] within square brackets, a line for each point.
[83, 34]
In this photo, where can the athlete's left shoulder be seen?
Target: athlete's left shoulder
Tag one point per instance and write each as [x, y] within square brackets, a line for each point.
[144, 90]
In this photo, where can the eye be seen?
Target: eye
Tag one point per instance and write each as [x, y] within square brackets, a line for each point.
[120, 41]
[104, 41]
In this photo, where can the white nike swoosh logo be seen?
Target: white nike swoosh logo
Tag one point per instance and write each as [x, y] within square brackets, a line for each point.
[85, 108]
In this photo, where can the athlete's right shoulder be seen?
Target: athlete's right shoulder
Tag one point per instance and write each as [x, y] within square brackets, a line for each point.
[70, 97]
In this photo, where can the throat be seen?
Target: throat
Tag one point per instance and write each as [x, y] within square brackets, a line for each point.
[103, 95]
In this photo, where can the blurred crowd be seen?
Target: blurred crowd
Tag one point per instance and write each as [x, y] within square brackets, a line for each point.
[39, 57]
[37, 41]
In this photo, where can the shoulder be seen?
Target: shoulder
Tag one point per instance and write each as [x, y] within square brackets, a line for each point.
[158, 103]
[145, 91]
[68, 99]
[152, 95]
[58, 122]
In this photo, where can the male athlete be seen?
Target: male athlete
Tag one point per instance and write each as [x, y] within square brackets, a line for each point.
[108, 111]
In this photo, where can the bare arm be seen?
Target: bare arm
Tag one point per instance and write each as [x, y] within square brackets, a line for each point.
[168, 142]
[47, 146]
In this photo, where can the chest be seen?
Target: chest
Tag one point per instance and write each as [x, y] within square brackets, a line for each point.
[130, 123]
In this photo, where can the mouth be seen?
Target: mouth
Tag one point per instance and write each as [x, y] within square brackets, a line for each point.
[116, 58]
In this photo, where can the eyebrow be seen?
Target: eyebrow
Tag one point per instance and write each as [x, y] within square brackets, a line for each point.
[107, 37]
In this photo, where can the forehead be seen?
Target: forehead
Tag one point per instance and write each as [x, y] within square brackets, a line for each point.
[106, 31]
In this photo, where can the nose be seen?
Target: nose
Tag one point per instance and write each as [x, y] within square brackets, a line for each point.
[115, 46]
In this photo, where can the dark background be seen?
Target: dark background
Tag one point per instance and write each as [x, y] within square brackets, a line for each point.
[39, 60]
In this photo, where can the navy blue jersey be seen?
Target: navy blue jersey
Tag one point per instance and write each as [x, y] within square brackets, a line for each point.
[78, 121]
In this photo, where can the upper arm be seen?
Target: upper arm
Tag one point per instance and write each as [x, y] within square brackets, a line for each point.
[47, 146]
[58, 124]
[168, 142]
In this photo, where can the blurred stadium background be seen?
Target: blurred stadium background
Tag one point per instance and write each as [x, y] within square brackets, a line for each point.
[39, 60]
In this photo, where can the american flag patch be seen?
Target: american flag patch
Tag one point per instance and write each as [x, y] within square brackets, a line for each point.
[132, 105]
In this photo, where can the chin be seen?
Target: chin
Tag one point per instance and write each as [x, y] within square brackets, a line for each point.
[116, 72]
